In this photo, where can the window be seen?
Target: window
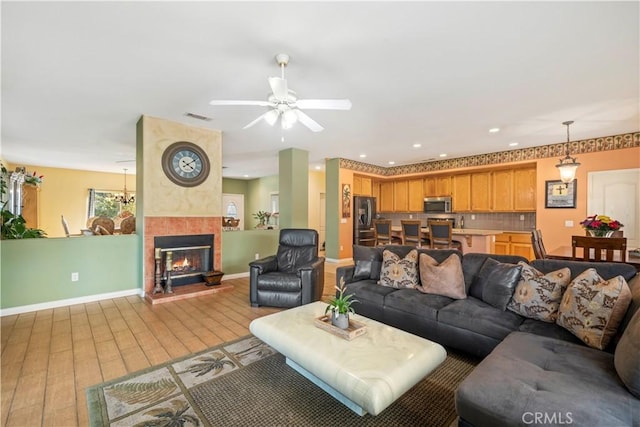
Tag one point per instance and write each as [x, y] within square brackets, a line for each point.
[104, 203]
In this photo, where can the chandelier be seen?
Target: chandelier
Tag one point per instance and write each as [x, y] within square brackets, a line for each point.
[123, 198]
[568, 165]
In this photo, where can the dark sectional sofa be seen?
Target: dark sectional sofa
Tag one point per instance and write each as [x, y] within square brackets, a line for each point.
[533, 372]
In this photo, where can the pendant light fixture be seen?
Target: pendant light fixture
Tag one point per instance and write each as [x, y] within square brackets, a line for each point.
[568, 165]
[123, 198]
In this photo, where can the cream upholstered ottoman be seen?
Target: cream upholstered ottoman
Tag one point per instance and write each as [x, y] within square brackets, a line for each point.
[366, 374]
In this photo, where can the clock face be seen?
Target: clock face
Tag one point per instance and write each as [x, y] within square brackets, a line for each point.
[185, 164]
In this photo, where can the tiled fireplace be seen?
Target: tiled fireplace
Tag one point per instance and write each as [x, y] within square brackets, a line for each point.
[164, 227]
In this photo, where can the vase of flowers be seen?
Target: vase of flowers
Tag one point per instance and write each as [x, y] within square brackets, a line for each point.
[601, 225]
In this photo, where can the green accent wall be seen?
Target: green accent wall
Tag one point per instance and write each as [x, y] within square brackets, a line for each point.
[239, 248]
[39, 270]
[294, 188]
[258, 198]
[234, 186]
[333, 200]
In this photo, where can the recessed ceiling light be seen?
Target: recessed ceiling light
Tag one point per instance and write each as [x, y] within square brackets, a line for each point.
[494, 130]
[391, 162]
[318, 168]
[417, 145]
[362, 156]
[443, 155]
[513, 144]
[246, 176]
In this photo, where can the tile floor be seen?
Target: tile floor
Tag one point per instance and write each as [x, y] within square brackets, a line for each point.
[50, 356]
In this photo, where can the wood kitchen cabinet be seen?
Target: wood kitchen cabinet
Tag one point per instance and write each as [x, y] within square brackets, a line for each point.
[502, 190]
[416, 195]
[481, 191]
[30, 205]
[461, 192]
[386, 196]
[362, 186]
[524, 189]
[514, 244]
[437, 186]
[401, 196]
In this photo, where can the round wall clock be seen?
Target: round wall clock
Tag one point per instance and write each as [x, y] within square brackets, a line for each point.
[185, 164]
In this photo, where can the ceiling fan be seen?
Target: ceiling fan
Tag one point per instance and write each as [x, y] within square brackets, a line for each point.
[284, 103]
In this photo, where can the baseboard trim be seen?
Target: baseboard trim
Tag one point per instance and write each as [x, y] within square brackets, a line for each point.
[236, 275]
[339, 261]
[70, 301]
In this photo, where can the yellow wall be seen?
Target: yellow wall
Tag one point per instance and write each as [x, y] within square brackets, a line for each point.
[161, 196]
[66, 192]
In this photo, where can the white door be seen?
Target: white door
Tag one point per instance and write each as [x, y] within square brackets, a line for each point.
[617, 194]
[233, 206]
[323, 215]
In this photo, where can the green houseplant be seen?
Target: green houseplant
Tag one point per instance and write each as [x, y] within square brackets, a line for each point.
[14, 226]
[340, 307]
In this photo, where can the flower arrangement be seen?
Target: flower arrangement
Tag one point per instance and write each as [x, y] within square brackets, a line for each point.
[33, 179]
[601, 225]
[263, 217]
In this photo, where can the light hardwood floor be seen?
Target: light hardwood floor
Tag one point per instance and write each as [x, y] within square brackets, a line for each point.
[50, 356]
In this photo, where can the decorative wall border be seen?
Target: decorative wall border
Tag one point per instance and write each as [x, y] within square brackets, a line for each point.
[607, 143]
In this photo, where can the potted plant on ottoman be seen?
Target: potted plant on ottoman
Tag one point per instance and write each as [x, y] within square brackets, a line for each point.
[340, 307]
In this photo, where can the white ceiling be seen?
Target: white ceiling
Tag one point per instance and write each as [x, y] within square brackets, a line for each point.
[77, 76]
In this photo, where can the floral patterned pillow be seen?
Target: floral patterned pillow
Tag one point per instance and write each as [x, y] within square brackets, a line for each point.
[538, 295]
[592, 307]
[399, 272]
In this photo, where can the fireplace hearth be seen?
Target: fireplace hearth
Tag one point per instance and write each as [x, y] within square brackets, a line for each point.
[182, 260]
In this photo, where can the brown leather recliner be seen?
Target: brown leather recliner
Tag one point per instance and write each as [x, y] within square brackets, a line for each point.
[292, 277]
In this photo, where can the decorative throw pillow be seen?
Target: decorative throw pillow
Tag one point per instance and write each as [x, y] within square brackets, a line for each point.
[592, 307]
[444, 279]
[626, 356]
[497, 281]
[538, 295]
[399, 272]
[368, 262]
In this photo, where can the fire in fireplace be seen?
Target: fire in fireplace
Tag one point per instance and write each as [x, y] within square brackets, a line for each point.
[181, 260]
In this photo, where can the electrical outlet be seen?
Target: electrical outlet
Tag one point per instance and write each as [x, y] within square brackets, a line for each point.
[521, 217]
[410, 216]
[257, 256]
[75, 277]
[568, 223]
[341, 247]
[473, 217]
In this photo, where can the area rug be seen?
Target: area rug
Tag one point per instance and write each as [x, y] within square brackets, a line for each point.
[247, 383]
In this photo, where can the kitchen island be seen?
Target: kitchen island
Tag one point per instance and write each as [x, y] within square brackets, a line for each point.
[471, 239]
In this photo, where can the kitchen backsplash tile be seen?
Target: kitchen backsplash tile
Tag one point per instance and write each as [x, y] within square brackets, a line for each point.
[487, 221]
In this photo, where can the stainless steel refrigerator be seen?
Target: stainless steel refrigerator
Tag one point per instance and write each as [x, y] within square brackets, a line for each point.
[364, 209]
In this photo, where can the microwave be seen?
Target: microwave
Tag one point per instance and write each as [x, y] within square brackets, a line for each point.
[437, 205]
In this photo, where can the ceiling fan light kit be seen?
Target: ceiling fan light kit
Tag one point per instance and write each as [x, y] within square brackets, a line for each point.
[285, 105]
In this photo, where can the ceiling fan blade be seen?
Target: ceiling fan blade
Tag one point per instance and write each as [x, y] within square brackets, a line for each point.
[324, 104]
[230, 102]
[270, 117]
[308, 121]
[256, 120]
[279, 88]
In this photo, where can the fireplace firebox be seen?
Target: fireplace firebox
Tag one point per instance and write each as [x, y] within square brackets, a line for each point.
[182, 260]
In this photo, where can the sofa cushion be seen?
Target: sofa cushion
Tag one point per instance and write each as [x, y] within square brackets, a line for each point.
[368, 262]
[369, 292]
[538, 295]
[497, 281]
[551, 330]
[592, 308]
[416, 303]
[279, 281]
[627, 356]
[399, 272]
[527, 373]
[444, 279]
[473, 262]
[478, 316]
[606, 270]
